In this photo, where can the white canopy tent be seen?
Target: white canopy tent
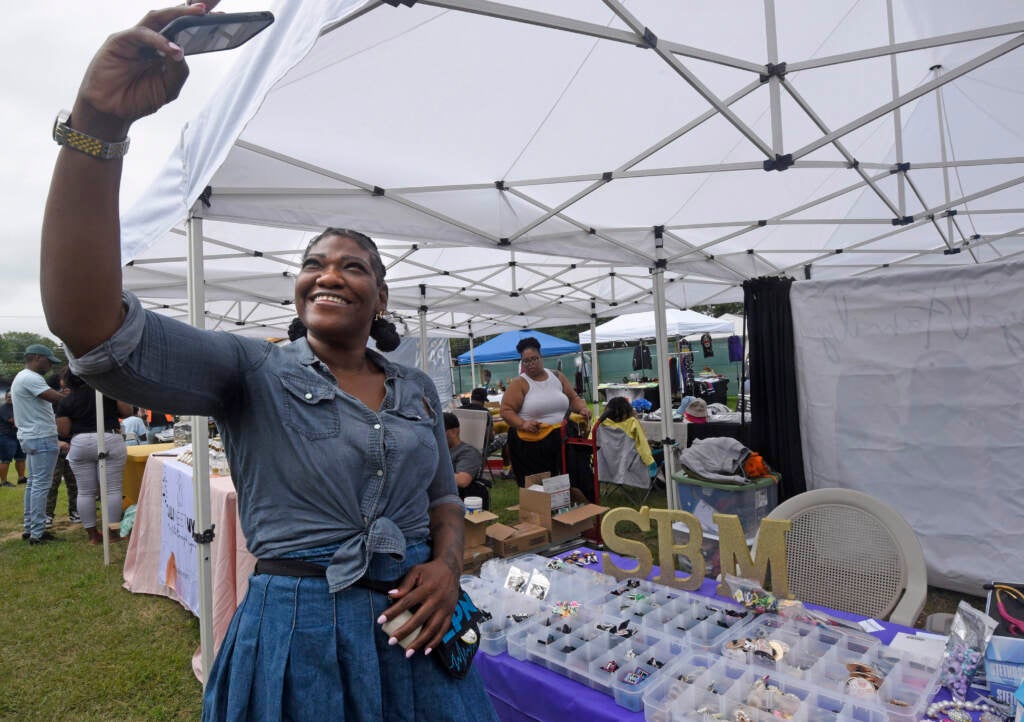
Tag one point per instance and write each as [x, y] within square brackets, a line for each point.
[734, 140]
[249, 278]
[736, 330]
[637, 326]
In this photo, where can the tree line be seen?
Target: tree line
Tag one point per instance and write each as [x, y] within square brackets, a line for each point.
[12, 352]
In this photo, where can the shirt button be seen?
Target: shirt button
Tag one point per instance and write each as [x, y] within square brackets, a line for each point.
[380, 472]
[309, 395]
[376, 426]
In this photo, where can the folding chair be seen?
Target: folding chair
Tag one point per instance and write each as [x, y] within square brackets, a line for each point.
[620, 465]
[473, 430]
[849, 551]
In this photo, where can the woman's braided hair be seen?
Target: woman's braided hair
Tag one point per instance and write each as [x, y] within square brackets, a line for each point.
[382, 330]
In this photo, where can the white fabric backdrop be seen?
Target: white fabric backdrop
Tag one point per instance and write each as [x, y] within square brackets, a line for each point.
[439, 362]
[910, 390]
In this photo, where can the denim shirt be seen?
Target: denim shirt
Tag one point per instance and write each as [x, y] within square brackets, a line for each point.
[312, 465]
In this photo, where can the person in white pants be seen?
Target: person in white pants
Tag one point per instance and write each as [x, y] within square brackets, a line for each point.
[76, 417]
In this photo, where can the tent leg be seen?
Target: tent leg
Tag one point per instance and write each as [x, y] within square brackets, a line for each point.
[664, 383]
[424, 364]
[594, 371]
[200, 445]
[472, 360]
[101, 467]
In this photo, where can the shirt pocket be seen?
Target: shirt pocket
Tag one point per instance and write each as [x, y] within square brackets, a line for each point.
[309, 407]
[417, 423]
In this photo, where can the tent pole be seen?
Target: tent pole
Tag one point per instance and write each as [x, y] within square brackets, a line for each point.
[424, 365]
[472, 359]
[200, 453]
[774, 90]
[943, 132]
[664, 383]
[897, 119]
[101, 465]
[937, 69]
[594, 377]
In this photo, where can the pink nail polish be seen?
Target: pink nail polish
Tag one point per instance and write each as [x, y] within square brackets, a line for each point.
[382, 619]
[393, 641]
[409, 653]
[178, 53]
[428, 651]
[393, 592]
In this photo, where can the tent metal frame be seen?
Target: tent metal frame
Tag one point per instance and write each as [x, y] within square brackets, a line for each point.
[716, 266]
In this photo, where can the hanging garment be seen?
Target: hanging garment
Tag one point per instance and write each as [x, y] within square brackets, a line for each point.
[735, 349]
[641, 357]
[673, 374]
[706, 345]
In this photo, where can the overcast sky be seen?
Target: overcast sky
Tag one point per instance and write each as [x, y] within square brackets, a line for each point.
[47, 45]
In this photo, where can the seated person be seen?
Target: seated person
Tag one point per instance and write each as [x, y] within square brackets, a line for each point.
[467, 462]
[134, 428]
[619, 414]
[492, 442]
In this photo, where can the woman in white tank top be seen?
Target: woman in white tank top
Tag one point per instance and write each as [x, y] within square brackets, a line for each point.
[534, 405]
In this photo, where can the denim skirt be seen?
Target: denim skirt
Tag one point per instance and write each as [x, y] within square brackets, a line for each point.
[294, 651]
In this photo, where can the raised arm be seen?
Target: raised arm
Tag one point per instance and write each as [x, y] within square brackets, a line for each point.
[80, 276]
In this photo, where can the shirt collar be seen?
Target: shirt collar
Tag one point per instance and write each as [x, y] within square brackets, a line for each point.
[301, 347]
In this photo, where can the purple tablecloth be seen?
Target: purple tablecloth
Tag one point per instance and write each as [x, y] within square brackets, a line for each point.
[523, 691]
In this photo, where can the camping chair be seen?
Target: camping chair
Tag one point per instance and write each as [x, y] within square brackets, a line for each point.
[620, 465]
[851, 552]
[473, 430]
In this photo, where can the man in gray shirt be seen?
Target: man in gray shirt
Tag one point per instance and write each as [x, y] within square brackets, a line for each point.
[37, 431]
[467, 462]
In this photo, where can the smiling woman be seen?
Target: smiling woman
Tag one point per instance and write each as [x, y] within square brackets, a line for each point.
[345, 493]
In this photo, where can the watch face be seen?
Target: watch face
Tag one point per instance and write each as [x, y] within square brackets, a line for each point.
[62, 118]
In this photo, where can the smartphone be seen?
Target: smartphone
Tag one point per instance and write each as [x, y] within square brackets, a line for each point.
[216, 31]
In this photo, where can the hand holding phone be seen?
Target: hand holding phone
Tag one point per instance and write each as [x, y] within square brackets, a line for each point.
[196, 34]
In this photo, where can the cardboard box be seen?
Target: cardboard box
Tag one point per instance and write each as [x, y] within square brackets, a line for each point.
[557, 486]
[535, 508]
[476, 528]
[474, 557]
[1003, 693]
[508, 541]
[1004, 655]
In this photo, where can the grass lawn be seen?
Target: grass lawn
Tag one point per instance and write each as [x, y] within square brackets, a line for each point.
[77, 646]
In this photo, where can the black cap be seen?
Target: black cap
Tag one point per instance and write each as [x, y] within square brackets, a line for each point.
[479, 394]
[451, 421]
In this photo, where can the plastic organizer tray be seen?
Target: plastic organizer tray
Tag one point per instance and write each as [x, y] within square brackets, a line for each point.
[593, 649]
[684, 656]
[811, 667]
[510, 609]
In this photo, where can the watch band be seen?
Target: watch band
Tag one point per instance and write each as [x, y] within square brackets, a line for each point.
[67, 136]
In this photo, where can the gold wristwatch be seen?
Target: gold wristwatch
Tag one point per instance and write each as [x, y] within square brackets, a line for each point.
[65, 135]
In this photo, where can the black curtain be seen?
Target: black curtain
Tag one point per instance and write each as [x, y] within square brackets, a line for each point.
[775, 420]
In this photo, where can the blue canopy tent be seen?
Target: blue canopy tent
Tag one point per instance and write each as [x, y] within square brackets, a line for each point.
[503, 347]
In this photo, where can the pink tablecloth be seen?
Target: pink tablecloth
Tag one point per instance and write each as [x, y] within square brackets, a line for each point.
[231, 562]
